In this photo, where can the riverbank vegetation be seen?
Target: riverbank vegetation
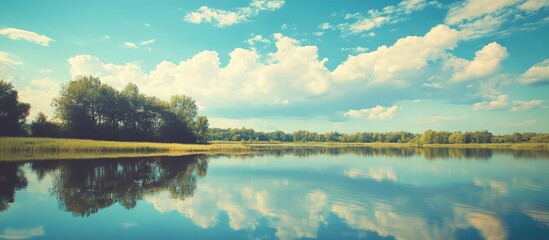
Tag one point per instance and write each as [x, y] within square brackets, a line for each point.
[20, 148]
[428, 137]
[89, 109]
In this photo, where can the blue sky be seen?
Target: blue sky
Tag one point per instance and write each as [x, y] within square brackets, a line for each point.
[342, 66]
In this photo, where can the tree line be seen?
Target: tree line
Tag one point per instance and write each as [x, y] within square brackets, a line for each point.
[428, 137]
[88, 109]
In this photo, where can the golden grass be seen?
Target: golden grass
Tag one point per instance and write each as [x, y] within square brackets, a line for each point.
[18, 148]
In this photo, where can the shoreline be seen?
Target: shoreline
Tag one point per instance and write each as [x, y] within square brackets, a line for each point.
[28, 148]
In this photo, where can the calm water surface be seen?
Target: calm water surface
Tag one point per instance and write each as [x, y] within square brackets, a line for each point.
[353, 193]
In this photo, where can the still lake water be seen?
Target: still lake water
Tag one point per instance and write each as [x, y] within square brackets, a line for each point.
[349, 193]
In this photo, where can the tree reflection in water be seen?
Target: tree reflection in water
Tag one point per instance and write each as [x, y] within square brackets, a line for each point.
[85, 187]
[12, 178]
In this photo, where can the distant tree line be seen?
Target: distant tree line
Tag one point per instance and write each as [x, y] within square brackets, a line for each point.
[428, 137]
[88, 109]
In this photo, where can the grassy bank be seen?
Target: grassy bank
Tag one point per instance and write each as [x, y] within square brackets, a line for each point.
[13, 148]
[16, 148]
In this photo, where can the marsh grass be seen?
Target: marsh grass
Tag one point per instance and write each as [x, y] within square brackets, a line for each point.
[18, 148]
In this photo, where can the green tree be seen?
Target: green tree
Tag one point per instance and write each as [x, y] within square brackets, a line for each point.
[456, 138]
[77, 106]
[184, 108]
[41, 127]
[201, 129]
[13, 114]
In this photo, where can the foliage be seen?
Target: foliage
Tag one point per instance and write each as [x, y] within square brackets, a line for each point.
[41, 127]
[202, 129]
[428, 137]
[13, 114]
[89, 109]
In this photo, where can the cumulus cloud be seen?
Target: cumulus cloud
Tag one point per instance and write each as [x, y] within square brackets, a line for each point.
[498, 103]
[19, 34]
[486, 62]
[39, 93]
[291, 73]
[396, 63]
[537, 74]
[225, 18]
[377, 112]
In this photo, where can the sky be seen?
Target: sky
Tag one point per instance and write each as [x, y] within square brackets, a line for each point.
[317, 65]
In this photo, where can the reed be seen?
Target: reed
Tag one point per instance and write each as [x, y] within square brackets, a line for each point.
[14, 148]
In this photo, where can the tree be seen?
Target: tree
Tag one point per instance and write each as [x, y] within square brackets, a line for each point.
[201, 129]
[77, 106]
[184, 108]
[456, 137]
[41, 127]
[13, 114]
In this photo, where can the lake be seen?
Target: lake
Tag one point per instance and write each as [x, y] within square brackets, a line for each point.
[282, 193]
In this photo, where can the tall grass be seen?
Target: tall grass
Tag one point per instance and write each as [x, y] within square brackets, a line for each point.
[18, 148]
[12, 148]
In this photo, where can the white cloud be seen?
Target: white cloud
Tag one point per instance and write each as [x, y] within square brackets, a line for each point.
[471, 9]
[147, 42]
[5, 59]
[525, 105]
[395, 64]
[481, 18]
[257, 39]
[537, 74]
[498, 103]
[486, 62]
[19, 34]
[25, 233]
[534, 5]
[224, 18]
[245, 205]
[129, 45]
[526, 123]
[39, 93]
[489, 226]
[269, 5]
[376, 18]
[147, 25]
[325, 26]
[377, 112]
[291, 73]
[378, 174]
